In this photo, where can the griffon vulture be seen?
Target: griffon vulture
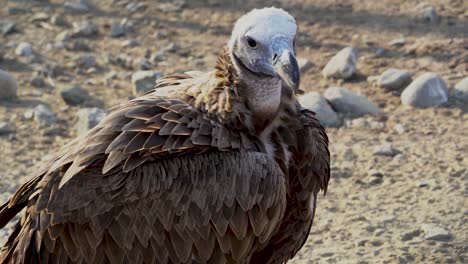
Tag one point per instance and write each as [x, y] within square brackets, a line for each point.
[216, 167]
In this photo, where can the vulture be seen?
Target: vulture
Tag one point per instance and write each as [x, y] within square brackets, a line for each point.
[209, 167]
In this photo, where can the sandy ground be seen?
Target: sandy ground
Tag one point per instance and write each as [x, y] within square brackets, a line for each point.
[377, 206]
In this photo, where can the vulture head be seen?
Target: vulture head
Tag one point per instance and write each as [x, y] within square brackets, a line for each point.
[262, 50]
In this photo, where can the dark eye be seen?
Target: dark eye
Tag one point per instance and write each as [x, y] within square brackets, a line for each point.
[251, 42]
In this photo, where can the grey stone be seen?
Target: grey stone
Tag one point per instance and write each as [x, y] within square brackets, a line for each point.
[429, 14]
[75, 95]
[84, 28]
[349, 103]
[397, 42]
[39, 82]
[386, 150]
[88, 118]
[76, 7]
[144, 81]
[24, 49]
[5, 128]
[433, 232]
[58, 20]
[129, 43]
[394, 79]
[342, 65]
[317, 103]
[44, 116]
[409, 235]
[158, 56]
[143, 64]
[7, 27]
[304, 64]
[85, 61]
[8, 86]
[135, 7]
[64, 36]
[428, 90]
[118, 30]
[399, 128]
[460, 90]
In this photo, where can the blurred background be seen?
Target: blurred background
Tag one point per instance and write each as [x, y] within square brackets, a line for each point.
[388, 78]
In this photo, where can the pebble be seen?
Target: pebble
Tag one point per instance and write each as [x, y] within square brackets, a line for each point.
[304, 64]
[342, 65]
[24, 49]
[143, 64]
[85, 61]
[144, 81]
[63, 36]
[5, 128]
[386, 150]
[409, 235]
[460, 90]
[349, 103]
[75, 95]
[317, 103]
[129, 43]
[44, 116]
[158, 56]
[8, 86]
[58, 20]
[73, 7]
[135, 7]
[7, 27]
[88, 118]
[428, 90]
[429, 14]
[433, 232]
[399, 128]
[394, 79]
[118, 30]
[84, 28]
[397, 42]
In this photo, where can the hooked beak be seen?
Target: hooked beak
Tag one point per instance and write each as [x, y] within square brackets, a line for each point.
[288, 69]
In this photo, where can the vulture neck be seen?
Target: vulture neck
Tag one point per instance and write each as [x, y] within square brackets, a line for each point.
[262, 95]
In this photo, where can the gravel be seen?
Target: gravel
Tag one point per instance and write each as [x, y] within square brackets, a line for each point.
[88, 118]
[144, 81]
[8, 86]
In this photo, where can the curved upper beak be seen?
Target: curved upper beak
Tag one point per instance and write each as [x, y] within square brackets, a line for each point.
[288, 69]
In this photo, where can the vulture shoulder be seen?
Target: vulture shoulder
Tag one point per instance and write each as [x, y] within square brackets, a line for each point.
[159, 180]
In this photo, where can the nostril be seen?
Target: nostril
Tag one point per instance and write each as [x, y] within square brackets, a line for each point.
[275, 57]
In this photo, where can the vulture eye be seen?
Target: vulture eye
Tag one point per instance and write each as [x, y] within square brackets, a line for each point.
[251, 42]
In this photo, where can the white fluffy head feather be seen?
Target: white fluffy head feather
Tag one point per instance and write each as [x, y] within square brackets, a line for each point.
[266, 24]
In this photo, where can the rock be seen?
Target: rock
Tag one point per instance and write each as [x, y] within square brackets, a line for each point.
[39, 82]
[8, 86]
[304, 64]
[428, 90]
[75, 95]
[129, 43]
[144, 81]
[84, 28]
[5, 128]
[88, 118]
[158, 56]
[409, 235]
[397, 42]
[143, 64]
[394, 79]
[118, 30]
[429, 14]
[349, 103]
[342, 65]
[399, 128]
[58, 20]
[433, 232]
[85, 61]
[386, 150]
[24, 49]
[63, 36]
[135, 7]
[44, 116]
[77, 8]
[7, 27]
[460, 91]
[317, 103]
